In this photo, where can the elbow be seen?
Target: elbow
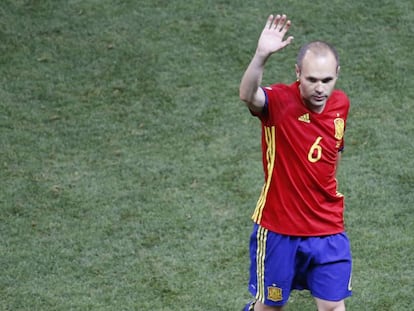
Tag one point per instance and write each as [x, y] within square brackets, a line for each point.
[244, 96]
[254, 101]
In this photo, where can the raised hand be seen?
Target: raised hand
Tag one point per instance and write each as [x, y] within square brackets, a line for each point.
[272, 37]
[271, 40]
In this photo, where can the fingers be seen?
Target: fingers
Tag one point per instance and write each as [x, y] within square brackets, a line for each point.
[269, 21]
[288, 40]
[279, 22]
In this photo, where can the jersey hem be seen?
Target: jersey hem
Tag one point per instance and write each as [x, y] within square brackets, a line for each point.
[301, 234]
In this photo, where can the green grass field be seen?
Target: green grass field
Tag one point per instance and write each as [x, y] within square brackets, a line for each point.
[130, 168]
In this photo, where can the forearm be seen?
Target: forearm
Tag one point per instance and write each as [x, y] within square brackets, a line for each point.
[251, 80]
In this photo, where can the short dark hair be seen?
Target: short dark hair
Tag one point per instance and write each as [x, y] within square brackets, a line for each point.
[318, 47]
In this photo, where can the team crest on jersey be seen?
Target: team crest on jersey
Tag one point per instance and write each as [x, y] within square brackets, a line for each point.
[339, 128]
[274, 293]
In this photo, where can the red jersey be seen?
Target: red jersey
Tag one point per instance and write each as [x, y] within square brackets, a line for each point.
[300, 150]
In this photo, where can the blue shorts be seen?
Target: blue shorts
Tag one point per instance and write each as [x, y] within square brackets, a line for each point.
[282, 263]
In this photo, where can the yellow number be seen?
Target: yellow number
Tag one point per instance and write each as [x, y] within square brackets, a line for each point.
[315, 152]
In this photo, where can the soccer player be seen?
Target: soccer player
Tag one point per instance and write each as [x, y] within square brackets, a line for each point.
[298, 239]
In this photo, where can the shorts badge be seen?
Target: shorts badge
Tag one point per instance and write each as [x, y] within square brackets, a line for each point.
[274, 293]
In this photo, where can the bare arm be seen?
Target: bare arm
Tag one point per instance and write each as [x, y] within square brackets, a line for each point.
[270, 41]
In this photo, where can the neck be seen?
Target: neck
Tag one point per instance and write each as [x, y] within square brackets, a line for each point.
[313, 108]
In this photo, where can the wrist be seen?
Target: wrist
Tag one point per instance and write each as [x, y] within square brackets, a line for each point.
[261, 56]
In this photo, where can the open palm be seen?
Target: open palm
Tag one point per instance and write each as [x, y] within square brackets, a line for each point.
[272, 36]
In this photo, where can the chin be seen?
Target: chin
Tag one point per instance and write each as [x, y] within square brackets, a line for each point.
[316, 106]
[319, 103]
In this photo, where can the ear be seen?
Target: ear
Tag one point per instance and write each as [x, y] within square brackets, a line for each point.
[297, 69]
[338, 69]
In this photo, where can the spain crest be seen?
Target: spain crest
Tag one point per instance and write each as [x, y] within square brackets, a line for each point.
[274, 293]
[339, 128]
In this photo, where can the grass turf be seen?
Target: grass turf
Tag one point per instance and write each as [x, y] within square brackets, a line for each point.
[130, 168]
